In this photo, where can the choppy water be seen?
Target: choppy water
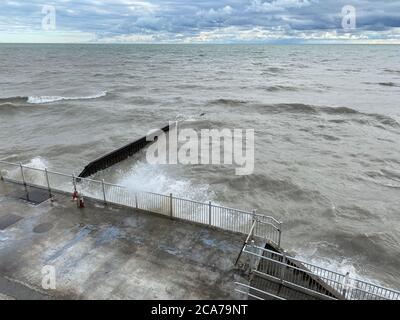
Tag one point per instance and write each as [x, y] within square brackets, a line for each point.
[327, 123]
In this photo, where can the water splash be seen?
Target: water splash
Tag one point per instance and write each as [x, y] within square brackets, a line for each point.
[38, 163]
[158, 179]
[337, 264]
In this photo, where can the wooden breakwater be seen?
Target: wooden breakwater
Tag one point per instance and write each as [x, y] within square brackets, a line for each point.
[117, 155]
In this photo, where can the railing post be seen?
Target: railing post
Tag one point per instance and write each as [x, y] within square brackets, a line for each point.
[171, 212]
[48, 182]
[254, 222]
[136, 201]
[104, 191]
[283, 266]
[346, 284]
[280, 235]
[253, 257]
[209, 214]
[74, 181]
[22, 174]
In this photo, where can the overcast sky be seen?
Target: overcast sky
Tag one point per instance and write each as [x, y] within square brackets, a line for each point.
[199, 21]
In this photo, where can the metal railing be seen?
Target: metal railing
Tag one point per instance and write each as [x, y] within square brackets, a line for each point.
[209, 214]
[254, 293]
[306, 277]
[276, 266]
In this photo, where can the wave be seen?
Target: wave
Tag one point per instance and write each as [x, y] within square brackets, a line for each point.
[49, 99]
[392, 71]
[336, 253]
[142, 100]
[46, 99]
[388, 84]
[337, 264]
[273, 70]
[384, 177]
[391, 174]
[8, 107]
[279, 88]
[285, 189]
[228, 102]
[350, 115]
[328, 137]
[383, 84]
[13, 100]
[189, 118]
[360, 117]
[289, 108]
[338, 110]
[310, 109]
[388, 121]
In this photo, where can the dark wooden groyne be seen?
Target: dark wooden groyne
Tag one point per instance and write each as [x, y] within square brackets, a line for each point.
[117, 155]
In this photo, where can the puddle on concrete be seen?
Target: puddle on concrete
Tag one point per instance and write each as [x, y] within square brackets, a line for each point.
[8, 220]
[35, 196]
[79, 236]
[42, 228]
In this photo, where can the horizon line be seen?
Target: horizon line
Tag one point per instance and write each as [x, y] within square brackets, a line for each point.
[332, 42]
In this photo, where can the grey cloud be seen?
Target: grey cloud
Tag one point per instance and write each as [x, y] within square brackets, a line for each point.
[189, 17]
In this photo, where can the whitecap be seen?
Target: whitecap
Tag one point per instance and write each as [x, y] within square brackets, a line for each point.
[341, 265]
[49, 99]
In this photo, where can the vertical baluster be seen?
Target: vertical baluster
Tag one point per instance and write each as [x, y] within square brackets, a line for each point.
[48, 182]
[104, 192]
[171, 208]
[283, 266]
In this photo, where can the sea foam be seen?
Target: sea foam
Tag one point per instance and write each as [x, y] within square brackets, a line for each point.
[49, 99]
[157, 179]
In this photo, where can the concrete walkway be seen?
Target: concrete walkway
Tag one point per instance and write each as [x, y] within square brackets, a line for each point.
[109, 253]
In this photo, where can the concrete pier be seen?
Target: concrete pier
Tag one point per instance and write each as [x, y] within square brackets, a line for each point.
[110, 253]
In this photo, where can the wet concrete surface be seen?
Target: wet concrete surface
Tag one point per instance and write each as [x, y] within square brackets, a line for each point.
[110, 253]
